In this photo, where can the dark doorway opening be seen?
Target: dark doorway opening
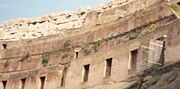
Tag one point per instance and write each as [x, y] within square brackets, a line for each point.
[42, 82]
[108, 67]
[86, 72]
[4, 46]
[76, 54]
[133, 60]
[23, 81]
[4, 84]
[63, 80]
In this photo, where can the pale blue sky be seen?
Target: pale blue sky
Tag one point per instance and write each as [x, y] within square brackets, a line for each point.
[13, 9]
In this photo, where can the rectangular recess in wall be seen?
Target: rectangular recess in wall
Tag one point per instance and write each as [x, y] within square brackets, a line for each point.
[42, 79]
[133, 60]
[23, 82]
[4, 46]
[108, 67]
[4, 84]
[63, 80]
[86, 73]
[76, 54]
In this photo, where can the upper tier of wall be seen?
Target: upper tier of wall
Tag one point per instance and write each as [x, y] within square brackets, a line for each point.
[17, 50]
[67, 23]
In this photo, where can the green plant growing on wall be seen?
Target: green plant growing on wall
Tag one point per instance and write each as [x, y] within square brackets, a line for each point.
[25, 57]
[45, 59]
[134, 35]
[67, 45]
[175, 7]
[96, 45]
[140, 33]
[152, 27]
[92, 47]
[67, 49]
[6, 64]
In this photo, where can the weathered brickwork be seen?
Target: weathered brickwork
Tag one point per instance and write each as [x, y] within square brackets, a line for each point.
[97, 48]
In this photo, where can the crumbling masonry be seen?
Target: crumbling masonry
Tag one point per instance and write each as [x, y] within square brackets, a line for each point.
[97, 48]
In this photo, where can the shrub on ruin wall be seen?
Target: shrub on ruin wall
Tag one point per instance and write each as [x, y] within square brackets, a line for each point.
[96, 45]
[67, 45]
[67, 49]
[140, 33]
[45, 59]
[92, 47]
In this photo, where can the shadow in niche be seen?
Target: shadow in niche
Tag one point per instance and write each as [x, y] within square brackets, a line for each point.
[4, 84]
[161, 59]
[4, 46]
[133, 61]
[178, 3]
[63, 80]
[86, 72]
[23, 81]
[108, 67]
[42, 82]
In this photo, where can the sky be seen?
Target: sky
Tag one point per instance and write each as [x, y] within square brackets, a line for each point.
[13, 9]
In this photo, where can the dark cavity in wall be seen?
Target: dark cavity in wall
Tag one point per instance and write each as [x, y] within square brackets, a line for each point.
[133, 60]
[178, 3]
[77, 54]
[23, 82]
[63, 80]
[42, 82]
[86, 73]
[108, 67]
[4, 46]
[4, 84]
[160, 39]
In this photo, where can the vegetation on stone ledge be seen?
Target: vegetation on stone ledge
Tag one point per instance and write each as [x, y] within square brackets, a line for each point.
[96, 45]
[45, 59]
[67, 49]
[140, 33]
[67, 45]
[92, 47]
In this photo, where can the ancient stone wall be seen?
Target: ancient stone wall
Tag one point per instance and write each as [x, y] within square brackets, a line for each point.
[62, 59]
[60, 23]
[55, 45]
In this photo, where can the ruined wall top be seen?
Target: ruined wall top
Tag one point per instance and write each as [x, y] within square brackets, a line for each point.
[28, 28]
[58, 23]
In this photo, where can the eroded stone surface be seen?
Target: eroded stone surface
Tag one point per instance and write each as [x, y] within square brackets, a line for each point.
[59, 23]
